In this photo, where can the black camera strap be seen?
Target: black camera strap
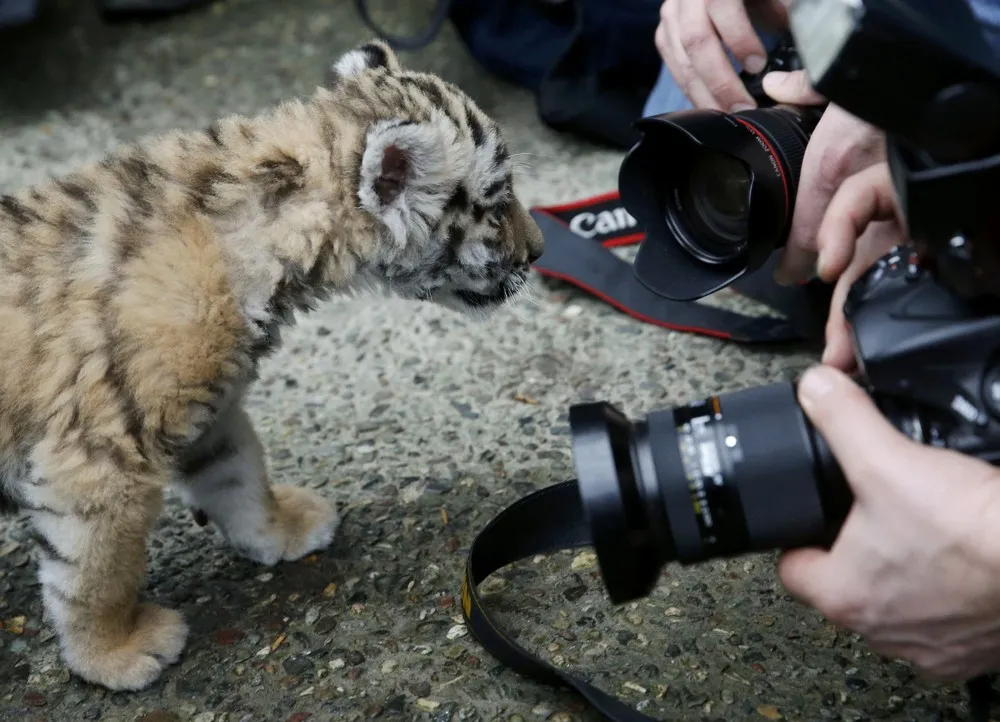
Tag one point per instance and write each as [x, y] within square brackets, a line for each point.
[548, 520]
[579, 242]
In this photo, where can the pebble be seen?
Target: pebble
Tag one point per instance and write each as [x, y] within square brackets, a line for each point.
[337, 664]
[584, 560]
[427, 705]
[389, 666]
[156, 715]
[204, 717]
[457, 632]
[856, 684]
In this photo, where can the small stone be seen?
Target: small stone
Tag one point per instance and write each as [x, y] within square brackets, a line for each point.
[204, 717]
[672, 612]
[561, 717]
[297, 666]
[34, 699]
[325, 625]
[769, 711]
[337, 664]
[15, 625]
[156, 715]
[458, 631]
[265, 577]
[228, 637]
[856, 684]
[453, 652]
[420, 689]
[673, 650]
[634, 687]
[312, 614]
[373, 711]
[330, 590]
[427, 705]
[389, 666]
[584, 560]
[634, 618]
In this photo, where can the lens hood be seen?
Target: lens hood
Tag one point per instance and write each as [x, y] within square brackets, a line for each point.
[604, 456]
[767, 141]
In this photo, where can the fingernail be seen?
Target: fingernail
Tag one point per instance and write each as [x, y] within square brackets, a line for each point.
[755, 64]
[817, 382]
[740, 106]
[819, 271]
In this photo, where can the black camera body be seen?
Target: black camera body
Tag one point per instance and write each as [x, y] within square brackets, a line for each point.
[929, 357]
[745, 471]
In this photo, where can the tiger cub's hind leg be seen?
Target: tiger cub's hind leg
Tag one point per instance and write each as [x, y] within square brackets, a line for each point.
[224, 479]
[91, 516]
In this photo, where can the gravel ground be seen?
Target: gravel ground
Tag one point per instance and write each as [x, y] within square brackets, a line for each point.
[426, 437]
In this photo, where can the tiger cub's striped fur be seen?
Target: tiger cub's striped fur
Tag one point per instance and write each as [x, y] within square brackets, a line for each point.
[138, 294]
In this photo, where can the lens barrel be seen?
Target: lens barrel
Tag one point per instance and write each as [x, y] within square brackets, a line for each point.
[714, 192]
[728, 475]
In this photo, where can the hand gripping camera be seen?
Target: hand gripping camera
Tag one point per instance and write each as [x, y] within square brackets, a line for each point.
[745, 471]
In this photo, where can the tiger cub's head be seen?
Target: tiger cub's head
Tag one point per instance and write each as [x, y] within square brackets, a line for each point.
[436, 172]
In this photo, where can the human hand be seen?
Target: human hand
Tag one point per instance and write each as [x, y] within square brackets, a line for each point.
[861, 224]
[840, 146]
[915, 569]
[692, 36]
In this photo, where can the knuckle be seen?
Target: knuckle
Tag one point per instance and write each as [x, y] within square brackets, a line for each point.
[695, 39]
[665, 10]
[833, 165]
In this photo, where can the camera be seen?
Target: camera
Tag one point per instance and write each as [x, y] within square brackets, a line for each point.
[715, 191]
[745, 471]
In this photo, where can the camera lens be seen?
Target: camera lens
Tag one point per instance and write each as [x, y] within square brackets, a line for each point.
[714, 192]
[710, 212]
[727, 475]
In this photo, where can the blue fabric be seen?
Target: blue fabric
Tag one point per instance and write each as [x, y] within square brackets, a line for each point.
[17, 12]
[667, 96]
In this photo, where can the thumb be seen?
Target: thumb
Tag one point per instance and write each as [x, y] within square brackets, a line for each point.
[791, 87]
[809, 575]
[866, 446]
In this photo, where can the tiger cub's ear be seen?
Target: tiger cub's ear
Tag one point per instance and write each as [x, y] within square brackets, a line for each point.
[406, 169]
[375, 54]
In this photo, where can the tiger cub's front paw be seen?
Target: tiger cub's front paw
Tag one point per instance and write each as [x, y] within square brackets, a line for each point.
[128, 662]
[300, 522]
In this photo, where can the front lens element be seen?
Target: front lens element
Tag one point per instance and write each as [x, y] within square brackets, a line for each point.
[710, 210]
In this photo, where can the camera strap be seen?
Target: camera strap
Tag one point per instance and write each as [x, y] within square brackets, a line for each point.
[579, 242]
[548, 520]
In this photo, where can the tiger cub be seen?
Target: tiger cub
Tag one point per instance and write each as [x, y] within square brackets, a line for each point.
[138, 294]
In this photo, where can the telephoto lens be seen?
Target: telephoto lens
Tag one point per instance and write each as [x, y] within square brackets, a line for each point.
[715, 191]
[725, 476]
